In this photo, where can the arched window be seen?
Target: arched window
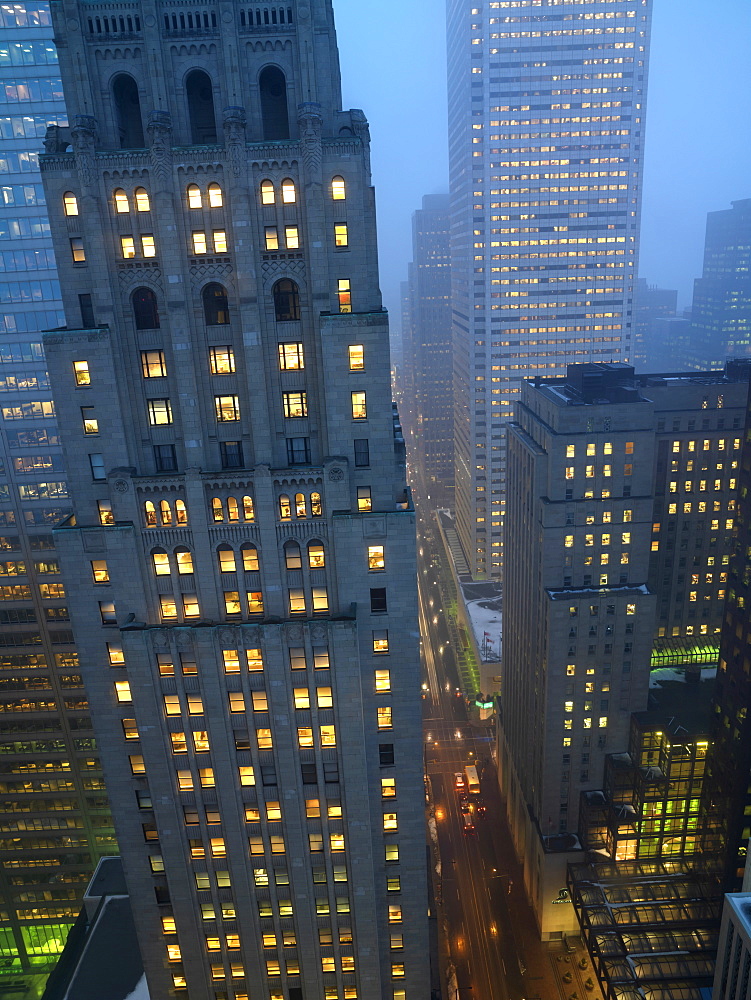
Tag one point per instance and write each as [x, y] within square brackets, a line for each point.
[316, 555]
[250, 558]
[292, 555]
[286, 300]
[285, 511]
[233, 511]
[142, 200]
[145, 311]
[217, 509]
[184, 559]
[338, 189]
[181, 512]
[70, 203]
[273, 91]
[216, 199]
[128, 111]
[301, 507]
[149, 512]
[226, 557]
[249, 511]
[268, 196]
[166, 512]
[200, 107]
[315, 505]
[160, 560]
[122, 206]
[194, 196]
[289, 193]
[215, 305]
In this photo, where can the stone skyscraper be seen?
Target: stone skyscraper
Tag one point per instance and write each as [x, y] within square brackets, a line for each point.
[240, 560]
[546, 142]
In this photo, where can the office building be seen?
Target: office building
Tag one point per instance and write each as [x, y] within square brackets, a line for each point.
[721, 312]
[54, 821]
[652, 304]
[620, 527]
[546, 142]
[240, 559]
[431, 352]
[732, 979]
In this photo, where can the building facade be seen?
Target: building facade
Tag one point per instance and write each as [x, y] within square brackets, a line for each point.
[732, 979]
[54, 820]
[651, 305]
[431, 352]
[240, 559]
[546, 142]
[721, 311]
[621, 517]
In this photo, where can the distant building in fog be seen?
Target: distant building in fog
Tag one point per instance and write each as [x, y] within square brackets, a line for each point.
[721, 315]
[650, 304]
[429, 356]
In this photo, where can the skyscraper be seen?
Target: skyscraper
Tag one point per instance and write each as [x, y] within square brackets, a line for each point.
[721, 311]
[54, 820]
[241, 554]
[622, 498]
[546, 141]
[431, 355]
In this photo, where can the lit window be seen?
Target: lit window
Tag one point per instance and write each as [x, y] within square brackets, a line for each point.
[128, 246]
[384, 717]
[338, 189]
[232, 605]
[77, 250]
[292, 237]
[121, 202]
[142, 200]
[255, 602]
[81, 372]
[570, 451]
[569, 541]
[603, 722]
[316, 556]
[250, 558]
[199, 242]
[160, 412]
[289, 195]
[364, 501]
[381, 640]
[344, 295]
[340, 235]
[324, 697]
[104, 508]
[388, 788]
[227, 408]
[328, 736]
[383, 680]
[291, 357]
[390, 822]
[589, 471]
[194, 196]
[395, 914]
[570, 472]
[219, 238]
[359, 408]
[301, 698]
[148, 247]
[376, 557]
[295, 404]
[320, 599]
[161, 563]
[247, 775]
[215, 196]
[272, 238]
[70, 203]
[122, 692]
[336, 841]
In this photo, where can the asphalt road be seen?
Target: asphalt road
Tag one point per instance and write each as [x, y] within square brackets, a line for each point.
[474, 889]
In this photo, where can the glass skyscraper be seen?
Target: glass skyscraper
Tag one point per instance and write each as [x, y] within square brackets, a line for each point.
[546, 140]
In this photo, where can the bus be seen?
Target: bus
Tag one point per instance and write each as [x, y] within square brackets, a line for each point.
[473, 782]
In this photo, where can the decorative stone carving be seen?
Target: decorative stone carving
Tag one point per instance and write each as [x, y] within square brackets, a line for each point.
[185, 638]
[235, 121]
[252, 638]
[317, 631]
[336, 475]
[121, 485]
[310, 123]
[293, 633]
[362, 131]
[83, 138]
[159, 128]
[160, 640]
[227, 639]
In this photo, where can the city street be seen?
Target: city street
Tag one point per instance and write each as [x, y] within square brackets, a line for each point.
[489, 948]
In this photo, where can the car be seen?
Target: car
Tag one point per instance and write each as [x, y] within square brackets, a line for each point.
[459, 782]
[467, 824]
[481, 807]
[464, 805]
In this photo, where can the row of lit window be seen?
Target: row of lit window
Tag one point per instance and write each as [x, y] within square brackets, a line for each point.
[701, 484]
[604, 540]
[589, 471]
[607, 448]
[702, 507]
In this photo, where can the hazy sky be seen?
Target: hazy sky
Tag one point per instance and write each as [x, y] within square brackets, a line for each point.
[698, 153]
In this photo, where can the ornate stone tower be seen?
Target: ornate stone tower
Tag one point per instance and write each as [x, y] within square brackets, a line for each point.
[241, 557]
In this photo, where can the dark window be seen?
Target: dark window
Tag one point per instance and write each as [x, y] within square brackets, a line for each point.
[309, 776]
[378, 600]
[268, 774]
[87, 311]
[386, 754]
[362, 453]
[165, 459]
[162, 895]
[128, 110]
[286, 300]
[97, 468]
[145, 312]
[273, 90]
[330, 771]
[200, 108]
[231, 454]
[298, 451]
[215, 306]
